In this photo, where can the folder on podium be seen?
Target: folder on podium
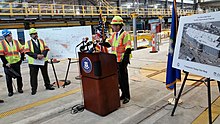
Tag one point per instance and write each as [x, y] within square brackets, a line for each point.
[99, 82]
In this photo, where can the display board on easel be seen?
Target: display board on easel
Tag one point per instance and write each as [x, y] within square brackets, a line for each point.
[62, 41]
[197, 48]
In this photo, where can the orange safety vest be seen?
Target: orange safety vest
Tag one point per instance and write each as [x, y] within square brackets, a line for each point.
[120, 45]
[11, 53]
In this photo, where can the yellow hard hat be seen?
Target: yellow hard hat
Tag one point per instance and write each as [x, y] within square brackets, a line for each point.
[32, 31]
[117, 20]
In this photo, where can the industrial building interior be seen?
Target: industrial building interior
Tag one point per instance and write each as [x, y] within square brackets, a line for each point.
[22, 13]
[147, 71]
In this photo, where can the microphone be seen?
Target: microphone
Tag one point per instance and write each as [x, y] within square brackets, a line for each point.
[84, 40]
[85, 47]
[89, 43]
[93, 46]
[91, 50]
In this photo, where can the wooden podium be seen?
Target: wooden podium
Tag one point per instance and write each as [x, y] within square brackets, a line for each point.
[99, 82]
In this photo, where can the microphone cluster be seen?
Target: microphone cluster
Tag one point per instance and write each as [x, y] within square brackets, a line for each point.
[85, 45]
[84, 40]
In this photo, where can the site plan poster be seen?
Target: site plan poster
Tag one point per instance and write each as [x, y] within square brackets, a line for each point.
[63, 41]
[197, 48]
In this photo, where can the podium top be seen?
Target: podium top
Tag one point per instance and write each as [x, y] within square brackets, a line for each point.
[97, 65]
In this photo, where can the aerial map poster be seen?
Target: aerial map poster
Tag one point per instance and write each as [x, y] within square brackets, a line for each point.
[197, 48]
[63, 41]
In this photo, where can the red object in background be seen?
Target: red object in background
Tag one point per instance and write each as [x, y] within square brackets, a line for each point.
[158, 28]
[155, 27]
[153, 45]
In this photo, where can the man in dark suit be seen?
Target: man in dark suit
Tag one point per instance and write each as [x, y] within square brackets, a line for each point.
[37, 50]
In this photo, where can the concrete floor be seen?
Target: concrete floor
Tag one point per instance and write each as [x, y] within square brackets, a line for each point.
[148, 104]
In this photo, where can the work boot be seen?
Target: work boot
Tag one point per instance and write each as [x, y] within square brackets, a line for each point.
[50, 88]
[126, 100]
[33, 92]
[10, 94]
[20, 91]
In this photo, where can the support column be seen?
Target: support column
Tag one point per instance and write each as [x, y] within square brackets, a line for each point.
[135, 33]
[119, 3]
[80, 2]
[147, 24]
[146, 3]
[134, 16]
[166, 23]
[195, 5]
[199, 2]
[182, 4]
[166, 4]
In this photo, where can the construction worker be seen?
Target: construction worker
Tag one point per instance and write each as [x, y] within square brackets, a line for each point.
[37, 50]
[120, 42]
[11, 53]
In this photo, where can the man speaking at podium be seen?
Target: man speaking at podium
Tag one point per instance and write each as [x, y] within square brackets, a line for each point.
[120, 42]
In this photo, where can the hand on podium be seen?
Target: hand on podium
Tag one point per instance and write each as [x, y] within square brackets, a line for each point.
[105, 44]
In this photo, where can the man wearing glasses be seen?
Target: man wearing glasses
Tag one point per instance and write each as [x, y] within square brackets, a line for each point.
[37, 50]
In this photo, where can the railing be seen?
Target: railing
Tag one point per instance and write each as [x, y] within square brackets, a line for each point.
[28, 9]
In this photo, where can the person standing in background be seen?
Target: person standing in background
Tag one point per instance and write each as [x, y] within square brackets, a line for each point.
[12, 55]
[37, 50]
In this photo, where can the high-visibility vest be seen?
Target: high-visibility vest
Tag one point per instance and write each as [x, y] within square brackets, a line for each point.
[30, 48]
[120, 45]
[12, 54]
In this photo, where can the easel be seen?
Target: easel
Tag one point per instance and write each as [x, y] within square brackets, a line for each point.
[54, 71]
[67, 72]
[208, 90]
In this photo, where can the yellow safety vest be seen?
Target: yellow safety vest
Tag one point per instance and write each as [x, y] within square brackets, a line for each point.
[11, 53]
[120, 45]
[30, 48]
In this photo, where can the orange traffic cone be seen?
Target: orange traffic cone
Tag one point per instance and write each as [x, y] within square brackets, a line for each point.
[153, 45]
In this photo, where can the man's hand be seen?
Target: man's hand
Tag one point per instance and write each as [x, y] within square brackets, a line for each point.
[105, 44]
[126, 59]
[40, 56]
[8, 65]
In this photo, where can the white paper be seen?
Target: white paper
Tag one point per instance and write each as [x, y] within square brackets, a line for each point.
[39, 62]
[197, 48]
